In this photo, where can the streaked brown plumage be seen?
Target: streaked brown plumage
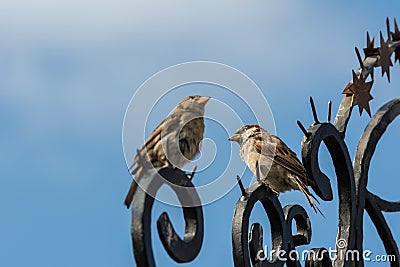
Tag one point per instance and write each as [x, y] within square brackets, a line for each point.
[279, 168]
[175, 141]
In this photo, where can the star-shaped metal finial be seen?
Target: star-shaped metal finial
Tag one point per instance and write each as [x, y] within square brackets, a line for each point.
[347, 91]
[388, 28]
[385, 54]
[395, 38]
[361, 92]
[371, 51]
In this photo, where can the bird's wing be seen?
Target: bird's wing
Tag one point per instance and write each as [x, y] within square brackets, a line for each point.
[286, 158]
[167, 125]
[150, 142]
[273, 146]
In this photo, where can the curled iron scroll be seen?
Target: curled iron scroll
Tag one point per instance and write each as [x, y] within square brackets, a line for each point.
[367, 200]
[327, 133]
[332, 136]
[179, 250]
[240, 227]
[247, 245]
[282, 239]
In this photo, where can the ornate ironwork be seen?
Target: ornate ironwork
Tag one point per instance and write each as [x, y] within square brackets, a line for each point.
[353, 196]
[367, 200]
[352, 193]
[314, 136]
[179, 250]
[246, 249]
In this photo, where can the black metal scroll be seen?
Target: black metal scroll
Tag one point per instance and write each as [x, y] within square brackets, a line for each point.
[352, 180]
[283, 242]
[352, 192]
[240, 226]
[281, 228]
[372, 203]
[180, 250]
[333, 139]
[353, 196]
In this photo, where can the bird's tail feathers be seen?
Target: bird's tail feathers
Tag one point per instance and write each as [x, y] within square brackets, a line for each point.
[134, 185]
[316, 200]
[310, 198]
[303, 188]
[129, 196]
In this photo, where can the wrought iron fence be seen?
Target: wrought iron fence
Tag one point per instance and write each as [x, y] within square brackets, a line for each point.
[352, 179]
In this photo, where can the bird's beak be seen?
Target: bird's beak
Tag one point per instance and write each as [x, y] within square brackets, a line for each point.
[203, 100]
[234, 138]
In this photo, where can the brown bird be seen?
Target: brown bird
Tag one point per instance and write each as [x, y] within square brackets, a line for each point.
[278, 166]
[175, 141]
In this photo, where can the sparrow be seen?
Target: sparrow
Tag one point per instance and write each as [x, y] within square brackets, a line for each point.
[279, 169]
[175, 141]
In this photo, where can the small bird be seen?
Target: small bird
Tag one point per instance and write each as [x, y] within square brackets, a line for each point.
[175, 141]
[279, 168]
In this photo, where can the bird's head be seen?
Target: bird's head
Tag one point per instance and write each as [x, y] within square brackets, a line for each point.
[244, 133]
[194, 103]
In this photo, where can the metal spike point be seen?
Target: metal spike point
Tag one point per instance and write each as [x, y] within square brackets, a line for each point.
[388, 27]
[396, 37]
[355, 76]
[314, 111]
[307, 134]
[329, 110]
[359, 58]
[370, 49]
[368, 39]
[370, 42]
[241, 185]
[384, 59]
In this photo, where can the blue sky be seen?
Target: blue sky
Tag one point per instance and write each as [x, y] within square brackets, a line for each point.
[68, 70]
